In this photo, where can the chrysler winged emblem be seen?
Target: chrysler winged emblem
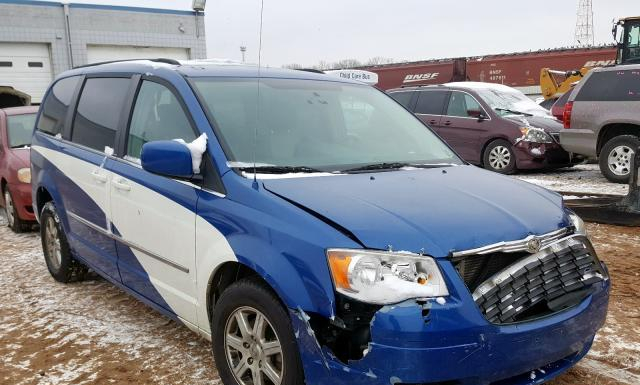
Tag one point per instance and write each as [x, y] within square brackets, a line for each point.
[533, 245]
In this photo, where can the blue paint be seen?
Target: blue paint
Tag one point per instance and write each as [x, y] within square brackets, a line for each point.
[453, 346]
[168, 158]
[422, 209]
[414, 210]
[136, 279]
[93, 247]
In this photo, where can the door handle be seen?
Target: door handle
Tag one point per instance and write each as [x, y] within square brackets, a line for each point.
[98, 177]
[433, 121]
[121, 184]
[447, 122]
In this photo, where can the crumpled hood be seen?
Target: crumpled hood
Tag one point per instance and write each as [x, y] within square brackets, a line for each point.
[435, 210]
[547, 123]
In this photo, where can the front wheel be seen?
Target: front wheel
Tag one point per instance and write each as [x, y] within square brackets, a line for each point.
[253, 340]
[499, 157]
[615, 157]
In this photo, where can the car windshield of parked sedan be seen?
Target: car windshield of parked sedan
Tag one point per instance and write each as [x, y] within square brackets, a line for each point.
[509, 102]
[20, 129]
[309, 125]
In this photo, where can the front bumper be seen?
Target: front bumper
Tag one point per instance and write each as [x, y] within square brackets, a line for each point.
[21, 193]
[542, 155]
[433, 343]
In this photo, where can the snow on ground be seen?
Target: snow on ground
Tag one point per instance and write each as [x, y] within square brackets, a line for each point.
[583, 179]
[86, 333]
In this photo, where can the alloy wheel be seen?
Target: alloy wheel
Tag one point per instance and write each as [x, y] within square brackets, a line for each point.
[499, 157]
[619, 160]
[8, 207]
[52, 243]
[252, 348]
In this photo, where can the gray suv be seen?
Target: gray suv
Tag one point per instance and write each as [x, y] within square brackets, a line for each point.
[602, 119]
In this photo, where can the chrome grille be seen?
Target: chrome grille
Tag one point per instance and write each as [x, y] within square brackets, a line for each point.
[557, 277]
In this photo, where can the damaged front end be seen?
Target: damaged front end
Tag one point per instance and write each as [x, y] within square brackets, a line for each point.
[452, 339]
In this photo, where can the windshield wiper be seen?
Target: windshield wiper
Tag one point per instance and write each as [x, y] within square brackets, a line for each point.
[394, 165]
[513, 111]
[26, 145]
[278, 169]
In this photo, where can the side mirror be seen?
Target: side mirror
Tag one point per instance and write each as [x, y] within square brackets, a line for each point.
[168, 158]
[478, 114]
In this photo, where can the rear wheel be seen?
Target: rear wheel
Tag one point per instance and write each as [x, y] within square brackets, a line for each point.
[499, 157]
[253, 340]
[57, 254]
[13, 220]
[616, 156]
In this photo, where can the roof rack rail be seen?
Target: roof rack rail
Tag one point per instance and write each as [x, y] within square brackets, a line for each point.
[421, 85]
[315, 71]
[158, 60]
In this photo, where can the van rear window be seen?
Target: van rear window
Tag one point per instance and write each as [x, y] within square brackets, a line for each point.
[55, 106]
[611, 86]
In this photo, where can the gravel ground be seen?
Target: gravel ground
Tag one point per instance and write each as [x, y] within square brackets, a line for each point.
[93, 333]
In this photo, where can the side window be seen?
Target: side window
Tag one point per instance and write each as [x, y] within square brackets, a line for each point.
[99, 111]
[157, 115]
[460, 103]
[403, 98]
[610, 86]
[431, 102]
[54, 109]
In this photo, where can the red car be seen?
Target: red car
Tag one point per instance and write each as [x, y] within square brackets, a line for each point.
[16, 127]
[557, 109]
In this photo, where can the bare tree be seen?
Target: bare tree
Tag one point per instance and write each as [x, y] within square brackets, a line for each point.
[347, 63]
[293, 66]
[378, 60]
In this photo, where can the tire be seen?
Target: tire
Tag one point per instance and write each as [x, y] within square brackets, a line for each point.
[57, 254]
[249, 299]
[615, 157]
[499, 157]
[14, 222]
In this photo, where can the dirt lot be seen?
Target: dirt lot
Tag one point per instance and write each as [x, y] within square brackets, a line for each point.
[93, 333]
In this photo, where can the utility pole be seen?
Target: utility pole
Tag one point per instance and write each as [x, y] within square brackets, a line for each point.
[243, 50]
[584, 24]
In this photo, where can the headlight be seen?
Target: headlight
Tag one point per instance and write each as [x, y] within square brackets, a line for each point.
[578, 223]
[534, 135]
[382, 278]
[24, 175]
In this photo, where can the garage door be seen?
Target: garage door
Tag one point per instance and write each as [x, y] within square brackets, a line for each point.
[26, 67]
[101, 53]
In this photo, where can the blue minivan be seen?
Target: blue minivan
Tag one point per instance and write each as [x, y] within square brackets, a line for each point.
[310, 226]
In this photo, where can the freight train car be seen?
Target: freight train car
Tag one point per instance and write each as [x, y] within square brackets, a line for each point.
[520, 70]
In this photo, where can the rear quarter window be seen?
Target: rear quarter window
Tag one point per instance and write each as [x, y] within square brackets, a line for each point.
[611, 86]
[55, 106]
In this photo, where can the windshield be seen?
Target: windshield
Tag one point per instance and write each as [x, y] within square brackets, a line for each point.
[321, 125]
[510, 102]
[20, 128]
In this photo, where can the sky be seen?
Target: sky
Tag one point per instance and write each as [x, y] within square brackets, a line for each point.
[304, 32]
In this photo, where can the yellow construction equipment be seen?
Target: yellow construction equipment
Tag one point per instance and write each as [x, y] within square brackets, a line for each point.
[555, 83]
